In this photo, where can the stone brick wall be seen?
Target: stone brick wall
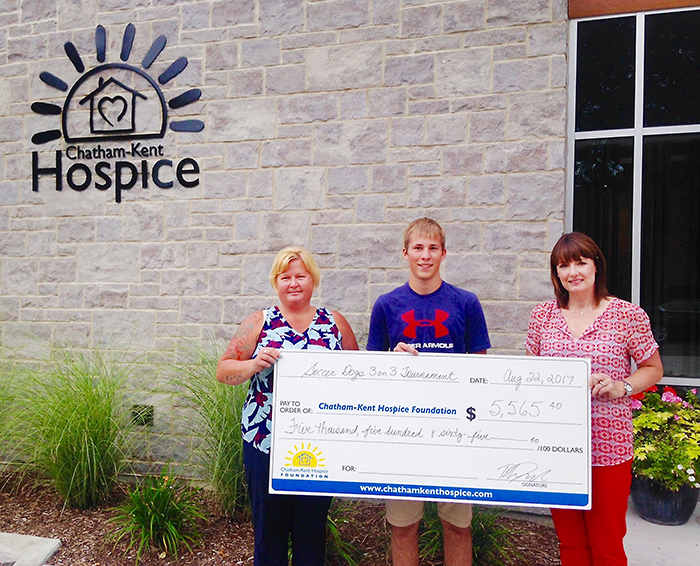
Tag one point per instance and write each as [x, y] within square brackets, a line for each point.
[328, 123]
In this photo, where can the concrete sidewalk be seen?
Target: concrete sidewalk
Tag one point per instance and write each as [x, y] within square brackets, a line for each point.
[24, 550]
[648, 544]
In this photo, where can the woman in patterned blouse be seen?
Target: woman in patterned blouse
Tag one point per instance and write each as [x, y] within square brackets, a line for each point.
[584, 321]
[293, 323]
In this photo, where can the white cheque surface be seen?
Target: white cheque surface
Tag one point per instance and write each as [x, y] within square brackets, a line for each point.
[488, 429]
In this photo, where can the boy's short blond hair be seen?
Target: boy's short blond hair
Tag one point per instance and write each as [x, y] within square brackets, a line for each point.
[285, 257]
[425, 227]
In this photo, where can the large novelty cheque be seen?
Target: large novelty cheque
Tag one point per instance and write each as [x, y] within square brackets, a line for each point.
[488, 429]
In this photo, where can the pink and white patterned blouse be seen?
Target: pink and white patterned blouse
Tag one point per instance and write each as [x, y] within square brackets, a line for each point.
[621, 333]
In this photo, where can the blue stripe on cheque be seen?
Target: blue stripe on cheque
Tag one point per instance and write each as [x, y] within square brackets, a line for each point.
[404, 491]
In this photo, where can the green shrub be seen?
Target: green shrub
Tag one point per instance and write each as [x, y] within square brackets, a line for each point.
[160, 512]
[667, 437]
[491, 545]
[73, 422]
[339, 550]
[430, 538]
[218, 413]
[491, 542]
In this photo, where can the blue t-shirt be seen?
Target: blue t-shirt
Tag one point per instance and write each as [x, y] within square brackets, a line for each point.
[449, 320]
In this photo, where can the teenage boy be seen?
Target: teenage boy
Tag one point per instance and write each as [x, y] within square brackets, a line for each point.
[428, 315]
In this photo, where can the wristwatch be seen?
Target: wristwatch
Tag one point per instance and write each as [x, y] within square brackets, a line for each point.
[628, 388]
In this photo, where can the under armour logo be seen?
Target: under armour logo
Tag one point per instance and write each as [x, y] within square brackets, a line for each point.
[440, 329]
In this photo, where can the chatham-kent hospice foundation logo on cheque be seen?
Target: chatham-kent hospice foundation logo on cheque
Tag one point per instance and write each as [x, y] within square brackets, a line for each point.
[304, 463]
[120, 104]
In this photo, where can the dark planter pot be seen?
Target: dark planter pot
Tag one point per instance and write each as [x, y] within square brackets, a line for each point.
[658, 504]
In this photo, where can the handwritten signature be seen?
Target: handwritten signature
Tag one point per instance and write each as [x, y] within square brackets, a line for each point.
[523, 471]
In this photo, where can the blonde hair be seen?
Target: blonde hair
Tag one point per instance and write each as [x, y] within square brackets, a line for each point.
[286, 256]
[425, 227]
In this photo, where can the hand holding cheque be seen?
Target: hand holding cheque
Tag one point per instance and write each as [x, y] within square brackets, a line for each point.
[488, 429]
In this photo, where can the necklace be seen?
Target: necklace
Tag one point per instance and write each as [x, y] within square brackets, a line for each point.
[583, 311]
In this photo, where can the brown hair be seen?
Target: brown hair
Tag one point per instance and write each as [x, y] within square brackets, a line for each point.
[425, 227]
[285, 257]
[572, 247]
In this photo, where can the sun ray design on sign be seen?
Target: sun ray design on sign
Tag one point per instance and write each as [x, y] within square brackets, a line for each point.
[115, 101]
[309, 457]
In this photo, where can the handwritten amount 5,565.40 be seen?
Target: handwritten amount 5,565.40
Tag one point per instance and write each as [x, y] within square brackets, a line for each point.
[527, 409]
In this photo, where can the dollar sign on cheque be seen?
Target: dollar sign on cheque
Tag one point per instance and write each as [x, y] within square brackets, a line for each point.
[471, 413]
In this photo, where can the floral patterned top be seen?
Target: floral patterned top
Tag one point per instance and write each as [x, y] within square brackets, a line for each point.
[621, 333]
[322, 334]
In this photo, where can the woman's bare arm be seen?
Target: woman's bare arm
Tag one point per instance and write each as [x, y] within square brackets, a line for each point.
[236, 365]
[349, 340]
[648, 373]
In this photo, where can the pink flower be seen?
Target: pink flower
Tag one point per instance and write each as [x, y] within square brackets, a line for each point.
[694, 391]
[670, 397]
[677, 417]
[636, 404]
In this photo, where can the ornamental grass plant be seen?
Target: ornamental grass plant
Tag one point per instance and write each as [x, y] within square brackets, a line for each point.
[337, 548]
[667, 437]
[160, 512]
[71, 422]
[217, 413]
[12, 377]
[492, 545]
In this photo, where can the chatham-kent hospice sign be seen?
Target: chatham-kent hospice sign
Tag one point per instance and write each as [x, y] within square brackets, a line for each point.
[111, 120]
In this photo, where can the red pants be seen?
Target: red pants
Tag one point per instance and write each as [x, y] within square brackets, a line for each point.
[594, 538]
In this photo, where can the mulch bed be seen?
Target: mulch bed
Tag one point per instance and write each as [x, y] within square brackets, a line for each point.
[36, 510]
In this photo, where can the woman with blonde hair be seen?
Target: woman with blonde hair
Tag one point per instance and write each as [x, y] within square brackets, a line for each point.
[293, 323]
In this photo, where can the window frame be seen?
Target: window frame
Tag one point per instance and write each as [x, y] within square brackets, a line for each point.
[637, 133]
[591, 8]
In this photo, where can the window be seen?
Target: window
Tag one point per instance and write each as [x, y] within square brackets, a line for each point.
[635, 181]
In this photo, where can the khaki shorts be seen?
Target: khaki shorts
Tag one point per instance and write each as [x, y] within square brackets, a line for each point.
[402, 513]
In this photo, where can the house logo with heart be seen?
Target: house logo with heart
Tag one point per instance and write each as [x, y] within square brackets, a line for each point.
[112, 107]
[116, 101]
[104, 116]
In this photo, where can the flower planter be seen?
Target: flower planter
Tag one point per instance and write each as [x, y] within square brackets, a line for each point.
[658, 504]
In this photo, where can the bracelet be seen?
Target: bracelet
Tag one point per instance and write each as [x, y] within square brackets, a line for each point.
[628, 388]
